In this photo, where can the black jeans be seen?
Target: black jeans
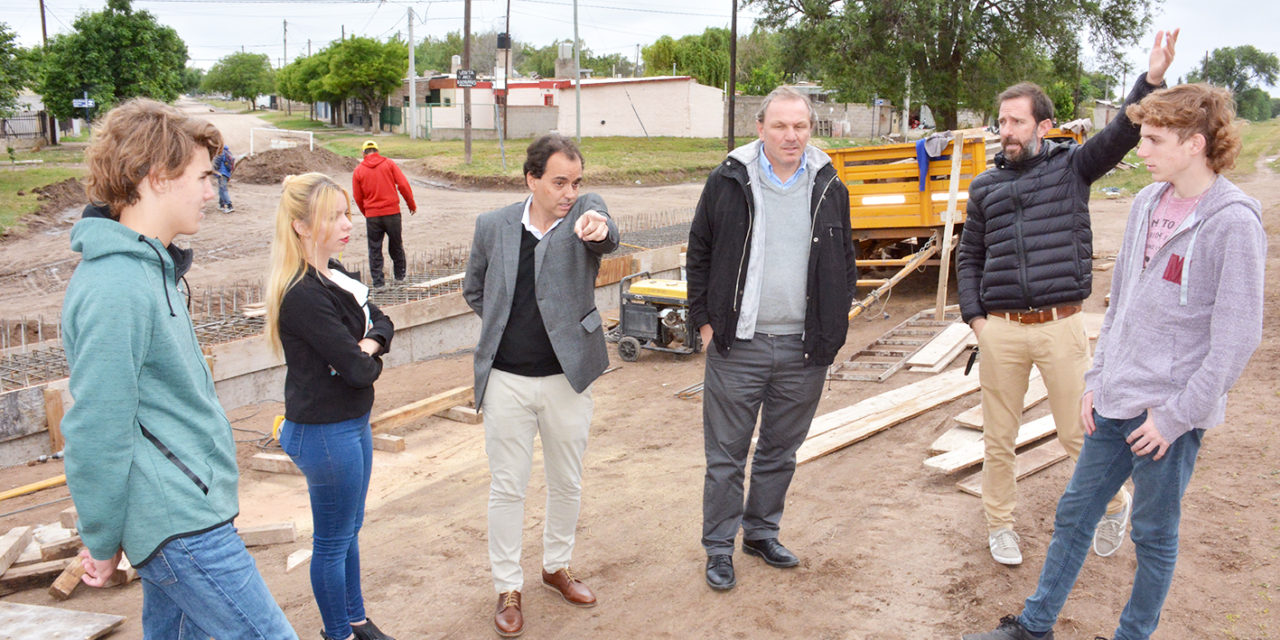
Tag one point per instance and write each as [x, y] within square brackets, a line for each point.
[375, 227]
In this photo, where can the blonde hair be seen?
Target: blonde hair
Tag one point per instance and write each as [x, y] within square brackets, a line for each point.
[307, 198]
[142, 138]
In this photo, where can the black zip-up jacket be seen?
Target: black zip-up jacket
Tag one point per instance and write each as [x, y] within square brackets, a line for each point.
[328, 378]
[719, 250]
[1027, 242]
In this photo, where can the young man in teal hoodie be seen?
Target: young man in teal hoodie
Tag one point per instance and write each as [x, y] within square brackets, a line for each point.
[150, 459]
[1185, 316]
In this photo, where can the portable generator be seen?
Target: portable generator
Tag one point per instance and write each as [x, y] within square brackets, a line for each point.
[654, 314]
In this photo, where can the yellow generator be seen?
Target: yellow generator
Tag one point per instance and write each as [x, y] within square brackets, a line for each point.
[654, 314]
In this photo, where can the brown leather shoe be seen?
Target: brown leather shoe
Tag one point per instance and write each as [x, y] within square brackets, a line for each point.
[569, 587]
[509, 622]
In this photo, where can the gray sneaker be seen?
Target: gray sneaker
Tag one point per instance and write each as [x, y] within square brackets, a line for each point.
[1009, 629]
[1004, 547]
[1109, 535]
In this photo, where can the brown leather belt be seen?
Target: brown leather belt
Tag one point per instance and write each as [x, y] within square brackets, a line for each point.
[1040, 315]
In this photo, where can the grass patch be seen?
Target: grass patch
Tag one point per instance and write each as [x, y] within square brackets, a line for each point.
[234, 106]
[296, 121]
[49, 154]
[83, 137]
[14, 206]
[1129, 181]
[1261, 140]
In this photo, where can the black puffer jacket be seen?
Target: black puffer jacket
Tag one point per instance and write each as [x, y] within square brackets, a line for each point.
[719, 250]
[1027, 242]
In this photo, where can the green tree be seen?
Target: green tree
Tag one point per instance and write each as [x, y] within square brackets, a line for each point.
[1253, 104]
[436, 54]
[1275, 107]
[1237, 68]
[114, 54]
[243, 76]
[15, 70]
[536, 61]
[366, 70]
[760, 62]
[705, 57]
[959, 53]
[191, 79]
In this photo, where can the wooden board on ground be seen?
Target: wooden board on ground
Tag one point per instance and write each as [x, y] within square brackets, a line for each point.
[274, 463]
[1036, 392]
[33, 621]
[954, 438]
[388, 442]
[67, 581]
[1035, 459]
[278, 533]
[12, 544]
[839, 429]
[68, 517]
[464, 414]
[457, 277]
[410, 413]
[32, 576]
[297, 559]
[973, 454]
[943, 348]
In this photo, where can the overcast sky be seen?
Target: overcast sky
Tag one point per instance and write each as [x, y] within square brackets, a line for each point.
[213, 29]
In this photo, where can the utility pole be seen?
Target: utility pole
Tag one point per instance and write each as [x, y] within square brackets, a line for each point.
[284, 46]
[733, 71]
[577, 70]
[506, 73]
[308, 47]
[635, 69]
[413, 83]
[466, 91]
[44, 42]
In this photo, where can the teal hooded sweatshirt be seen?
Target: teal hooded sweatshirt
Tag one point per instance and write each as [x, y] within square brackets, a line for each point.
[149, 454]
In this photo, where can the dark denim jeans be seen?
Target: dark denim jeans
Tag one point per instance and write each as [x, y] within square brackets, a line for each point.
[1105, 463]
[208, 585]
[224, 197]
[336, 458]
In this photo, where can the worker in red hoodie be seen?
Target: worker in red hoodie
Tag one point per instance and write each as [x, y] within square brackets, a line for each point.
[374, 186]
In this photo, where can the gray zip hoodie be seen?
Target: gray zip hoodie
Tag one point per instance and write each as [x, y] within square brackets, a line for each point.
[1179, 332]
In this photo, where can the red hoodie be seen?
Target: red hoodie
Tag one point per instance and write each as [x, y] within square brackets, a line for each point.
[374, 186]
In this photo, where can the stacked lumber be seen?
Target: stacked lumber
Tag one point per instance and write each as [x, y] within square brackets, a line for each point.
[938, 353]
[1035, 459]
[972, 454]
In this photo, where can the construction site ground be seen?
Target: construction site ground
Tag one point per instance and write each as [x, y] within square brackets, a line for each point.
[889, 549]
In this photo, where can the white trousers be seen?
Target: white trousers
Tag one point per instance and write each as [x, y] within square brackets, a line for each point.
[516, 408]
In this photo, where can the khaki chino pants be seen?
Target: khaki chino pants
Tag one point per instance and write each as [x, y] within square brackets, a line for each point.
[516, 409]
[1060, 349]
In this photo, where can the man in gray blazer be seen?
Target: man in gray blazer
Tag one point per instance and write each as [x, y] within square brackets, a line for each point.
[531, 278]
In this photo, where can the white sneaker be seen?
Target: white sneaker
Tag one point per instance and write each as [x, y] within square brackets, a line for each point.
[1004, 546]
[1109, 535]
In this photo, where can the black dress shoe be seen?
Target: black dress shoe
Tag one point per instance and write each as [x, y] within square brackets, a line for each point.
[369, 631]
[772, 551]
[720, 572]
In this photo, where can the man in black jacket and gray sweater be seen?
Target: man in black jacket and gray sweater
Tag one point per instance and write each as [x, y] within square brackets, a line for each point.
[1025, 269]
[771, 277]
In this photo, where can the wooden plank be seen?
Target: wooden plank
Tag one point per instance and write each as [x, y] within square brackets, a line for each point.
[277, 533]
[411, 413]
[67, 581]
[34, 487]
[839, 429]
[1028, 462]
[21, 413]
[465, 415]
[67, 517]
[60, 549]
[30, 555]
[1036, 392]
[1093, 324]
[457, 277]
[943, 347]
[388, 442]
[949, 220]
[974, 453]
[954, 438]
[274, 463]
[33, 621]
[32, 576]
[53, 418]
[12, 544]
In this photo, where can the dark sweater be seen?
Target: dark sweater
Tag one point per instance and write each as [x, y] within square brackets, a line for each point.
[525, 348]
[328, 377]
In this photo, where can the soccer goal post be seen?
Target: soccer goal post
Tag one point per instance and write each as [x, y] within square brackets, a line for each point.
[267, 138]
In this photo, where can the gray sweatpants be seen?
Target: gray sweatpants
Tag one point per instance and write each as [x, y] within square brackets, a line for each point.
[764, 376]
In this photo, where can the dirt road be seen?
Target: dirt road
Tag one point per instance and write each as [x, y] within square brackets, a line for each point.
[889, 550]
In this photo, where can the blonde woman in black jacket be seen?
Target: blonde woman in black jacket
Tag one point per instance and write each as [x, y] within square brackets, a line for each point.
[332, 338]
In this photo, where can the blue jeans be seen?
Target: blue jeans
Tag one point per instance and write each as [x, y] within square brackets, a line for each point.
[224, 198]
[336, 458]
[208, 585]
[1105, 463]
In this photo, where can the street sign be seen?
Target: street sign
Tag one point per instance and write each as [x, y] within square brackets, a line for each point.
[82, 103]
[466, 78]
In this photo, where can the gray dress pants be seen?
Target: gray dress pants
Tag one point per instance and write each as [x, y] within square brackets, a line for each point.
[763, 377]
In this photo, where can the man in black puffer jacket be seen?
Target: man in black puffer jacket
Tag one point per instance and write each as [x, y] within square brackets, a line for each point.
[1025, 269]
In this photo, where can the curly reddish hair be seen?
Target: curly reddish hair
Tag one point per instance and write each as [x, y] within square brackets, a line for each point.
[1188, 109]
[142, 138]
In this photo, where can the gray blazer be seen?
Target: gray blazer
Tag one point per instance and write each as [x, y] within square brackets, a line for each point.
[564, 270]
